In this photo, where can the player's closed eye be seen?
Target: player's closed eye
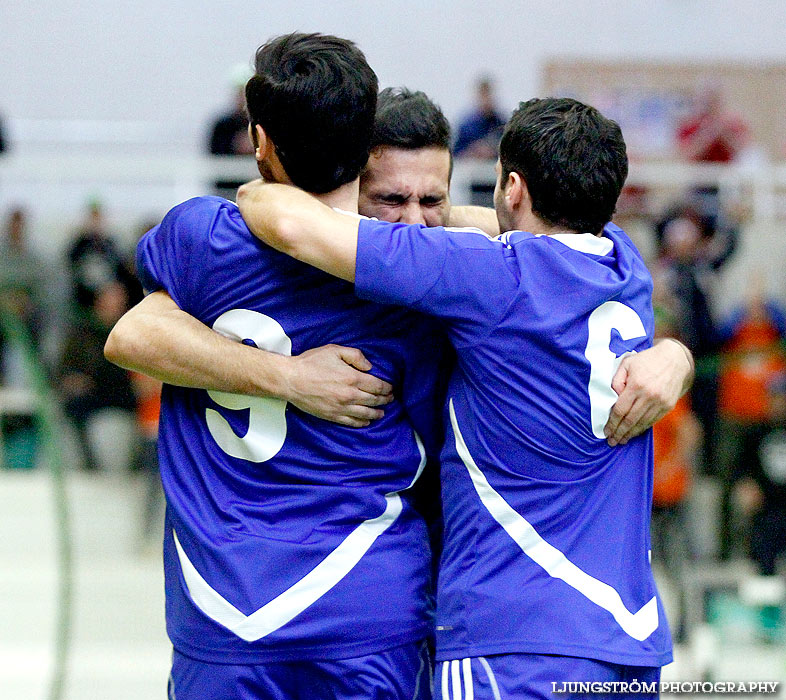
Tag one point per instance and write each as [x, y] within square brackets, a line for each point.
[391, 199]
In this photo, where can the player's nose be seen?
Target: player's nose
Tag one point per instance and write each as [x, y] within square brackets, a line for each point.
[412, 213]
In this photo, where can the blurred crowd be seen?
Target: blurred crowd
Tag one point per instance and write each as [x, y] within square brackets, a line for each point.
[61, 312]
[729, 431]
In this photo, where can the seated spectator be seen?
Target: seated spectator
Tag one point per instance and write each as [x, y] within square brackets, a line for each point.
[94, 262]
[93, 388]
[479, 132]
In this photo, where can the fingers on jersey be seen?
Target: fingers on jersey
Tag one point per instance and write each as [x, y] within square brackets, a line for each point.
[639, 418]
[642, 401]
[353, 357]
[328, 384]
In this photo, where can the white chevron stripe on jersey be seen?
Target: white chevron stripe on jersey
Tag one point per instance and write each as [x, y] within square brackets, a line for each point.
[639, 625]
[284, 607]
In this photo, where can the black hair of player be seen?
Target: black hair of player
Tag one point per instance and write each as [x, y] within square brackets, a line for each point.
[315, 96]
[572, 158]
[410, 120]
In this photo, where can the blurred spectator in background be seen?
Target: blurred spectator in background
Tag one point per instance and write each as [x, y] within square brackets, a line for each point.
[760, 493]
[94, 262]
[3, 144]
[477, 137]
[22, 290]
[634, 215]
[766, 474]
[98, 396]
[479, 132]
[148, 408]
[711, 134]
[753, 361]
[22, 275]
[691, 251]
[229, 132]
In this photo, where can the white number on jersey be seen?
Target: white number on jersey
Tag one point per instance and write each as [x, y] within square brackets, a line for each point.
[603, 362]
[267, 425]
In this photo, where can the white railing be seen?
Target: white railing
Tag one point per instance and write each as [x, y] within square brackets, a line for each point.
[761, 188]
[138, 183]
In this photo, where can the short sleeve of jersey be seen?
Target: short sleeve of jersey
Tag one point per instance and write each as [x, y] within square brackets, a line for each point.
[458, 275]
[165, 253]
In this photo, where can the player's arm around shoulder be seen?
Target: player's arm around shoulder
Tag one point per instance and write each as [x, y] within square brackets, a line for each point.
[299, 225]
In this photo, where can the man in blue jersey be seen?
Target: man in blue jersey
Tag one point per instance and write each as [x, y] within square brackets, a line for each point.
[295, 563]
[545, 573]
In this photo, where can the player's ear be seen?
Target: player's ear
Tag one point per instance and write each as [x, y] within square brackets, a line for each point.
[260, 140]
[516, 191]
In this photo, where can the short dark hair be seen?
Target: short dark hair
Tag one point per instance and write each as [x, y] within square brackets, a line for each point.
[572, 159]
[410, 120]
[315, 96]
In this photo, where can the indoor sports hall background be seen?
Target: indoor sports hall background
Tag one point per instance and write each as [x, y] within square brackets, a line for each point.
[106, 111]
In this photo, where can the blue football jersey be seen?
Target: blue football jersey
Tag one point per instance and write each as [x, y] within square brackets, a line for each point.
[289, 537]
[546, 542]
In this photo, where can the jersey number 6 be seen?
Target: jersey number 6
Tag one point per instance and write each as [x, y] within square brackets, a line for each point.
[603, 362]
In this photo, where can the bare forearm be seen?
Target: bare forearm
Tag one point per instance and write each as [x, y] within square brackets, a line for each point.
[475, 217]
[158, 339]
[163, 342]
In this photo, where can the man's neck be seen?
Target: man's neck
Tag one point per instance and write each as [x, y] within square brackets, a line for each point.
[534, 224]
[345, 197]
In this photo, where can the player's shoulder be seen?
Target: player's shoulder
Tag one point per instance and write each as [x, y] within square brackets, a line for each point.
[622, 242]
[197, 209]
[201, 217]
